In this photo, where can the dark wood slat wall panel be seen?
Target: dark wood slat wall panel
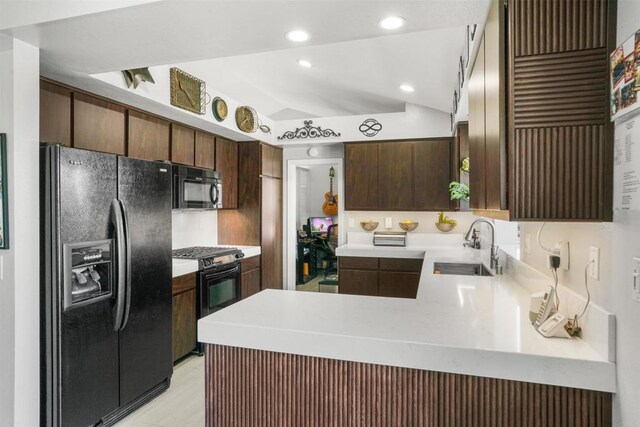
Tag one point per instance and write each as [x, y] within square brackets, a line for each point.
[558, 25]
[559, 172]
[560, 89]
[247, 387]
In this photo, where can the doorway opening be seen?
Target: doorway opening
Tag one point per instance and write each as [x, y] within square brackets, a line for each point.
[313, 224]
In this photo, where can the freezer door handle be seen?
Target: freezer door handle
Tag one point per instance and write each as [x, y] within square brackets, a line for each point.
[121, 263]
[127, 241]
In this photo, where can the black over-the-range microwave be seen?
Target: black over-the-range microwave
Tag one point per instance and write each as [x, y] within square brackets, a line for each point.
[195, 188]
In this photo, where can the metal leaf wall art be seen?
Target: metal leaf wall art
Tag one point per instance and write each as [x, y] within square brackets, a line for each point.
[309, 131]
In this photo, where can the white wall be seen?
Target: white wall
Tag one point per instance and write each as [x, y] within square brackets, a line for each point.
[19, 272]
[317, 186]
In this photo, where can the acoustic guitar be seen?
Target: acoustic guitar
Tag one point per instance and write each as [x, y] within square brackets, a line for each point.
[330, 205]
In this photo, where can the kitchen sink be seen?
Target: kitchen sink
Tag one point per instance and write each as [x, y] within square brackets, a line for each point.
[461, 269]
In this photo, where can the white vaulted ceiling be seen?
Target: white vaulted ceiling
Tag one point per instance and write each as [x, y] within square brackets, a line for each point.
[238, 47]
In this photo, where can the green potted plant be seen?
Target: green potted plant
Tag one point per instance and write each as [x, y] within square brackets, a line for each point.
[458, 191]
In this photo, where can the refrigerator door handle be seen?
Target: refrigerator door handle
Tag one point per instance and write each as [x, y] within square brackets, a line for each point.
[118, 221]
[127, 240]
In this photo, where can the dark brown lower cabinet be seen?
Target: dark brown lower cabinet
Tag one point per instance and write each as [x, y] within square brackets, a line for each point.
[384, 277]
[251, 387]
[184, 315]
[250, 277]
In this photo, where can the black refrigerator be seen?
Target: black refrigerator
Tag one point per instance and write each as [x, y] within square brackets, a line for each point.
[106, 285]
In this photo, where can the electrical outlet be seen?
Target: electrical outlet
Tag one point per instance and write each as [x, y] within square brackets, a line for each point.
[635, 292]
[388, 222]
[351, 222]
[594, 259]
[527, 243]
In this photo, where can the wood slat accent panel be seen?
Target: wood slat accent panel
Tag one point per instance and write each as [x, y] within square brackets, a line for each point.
[559, 173]
[247, 387]
[560, 89]
[550, 26]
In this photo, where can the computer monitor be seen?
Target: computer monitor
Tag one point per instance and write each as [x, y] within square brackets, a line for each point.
[320, 224]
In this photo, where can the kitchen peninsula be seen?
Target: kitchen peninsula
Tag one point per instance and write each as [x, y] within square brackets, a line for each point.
[463, 350]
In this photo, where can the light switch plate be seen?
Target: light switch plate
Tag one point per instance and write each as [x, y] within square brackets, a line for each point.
[388, 222]
[635, 292]
[594, 259]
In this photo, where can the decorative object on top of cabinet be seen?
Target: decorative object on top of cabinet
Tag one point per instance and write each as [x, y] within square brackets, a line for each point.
[246, 119]
[187, 92]
[309, 131]
[625, 77]
[219, 109]
[408, 225]
[369, 225]
[464, 165]
[4, 196]
[456, 97]
[136, 75]
[370, 127]
[458, 191]
[461, 69]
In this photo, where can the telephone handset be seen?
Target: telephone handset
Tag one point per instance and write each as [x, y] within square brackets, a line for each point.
[554, 326]
[546, 305]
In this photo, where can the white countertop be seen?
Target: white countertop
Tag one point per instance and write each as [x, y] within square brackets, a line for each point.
[181, 267]
[460, 324]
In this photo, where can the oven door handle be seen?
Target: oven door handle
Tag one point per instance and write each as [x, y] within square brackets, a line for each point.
[220, 274]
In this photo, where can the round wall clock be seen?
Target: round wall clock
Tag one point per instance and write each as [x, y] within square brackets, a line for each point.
[219, 109]
[246, 119]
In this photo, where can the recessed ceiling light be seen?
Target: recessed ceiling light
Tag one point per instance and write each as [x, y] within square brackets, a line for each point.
[297, 36]
[406, 88]
[304, 63]
[391, 22]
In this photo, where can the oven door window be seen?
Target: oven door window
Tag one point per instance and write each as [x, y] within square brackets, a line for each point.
[196, 192]
[222, 294]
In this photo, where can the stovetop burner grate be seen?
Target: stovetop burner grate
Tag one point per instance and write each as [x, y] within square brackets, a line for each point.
[198, 252]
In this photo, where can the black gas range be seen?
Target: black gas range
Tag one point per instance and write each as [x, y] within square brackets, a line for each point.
[219, 278]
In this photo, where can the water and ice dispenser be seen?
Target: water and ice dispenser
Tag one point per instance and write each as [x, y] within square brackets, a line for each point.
[88, 272]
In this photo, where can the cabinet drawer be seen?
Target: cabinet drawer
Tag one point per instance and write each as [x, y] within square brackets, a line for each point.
[358, 263]
[399, 264]
[249, 264]
[358, 282]
[398, 284]
[183, 283]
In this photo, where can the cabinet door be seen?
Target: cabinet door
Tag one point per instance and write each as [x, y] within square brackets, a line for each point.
[358, 282]
[477, 188]
[361, 176]
[205, 151]
[55, 114]
[271, 161]
[182, 144]
[148, 137]
[395, 179]
[271, 240]
[227, 165]
[184, 324]
[250, 283]
[98, 125]
[398, 284]
[432, 175]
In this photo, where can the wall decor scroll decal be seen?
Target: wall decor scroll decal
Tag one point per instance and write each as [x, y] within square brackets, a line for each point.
[309, 131]
[370, 127]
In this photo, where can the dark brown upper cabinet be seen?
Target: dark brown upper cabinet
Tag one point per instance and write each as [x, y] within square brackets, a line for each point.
[271, 161]
[183, 141]
[541, 143]
[227, 164]
[148, 137]
[205, 150]
[55, 113]
[398, 175]
[98, 125]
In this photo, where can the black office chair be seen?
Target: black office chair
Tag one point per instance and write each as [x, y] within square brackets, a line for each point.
[331, 243]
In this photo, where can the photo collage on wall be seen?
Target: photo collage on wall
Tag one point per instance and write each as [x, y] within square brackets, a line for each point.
[625, 75]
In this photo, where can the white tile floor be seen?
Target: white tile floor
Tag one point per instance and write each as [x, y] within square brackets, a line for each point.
[182, 405]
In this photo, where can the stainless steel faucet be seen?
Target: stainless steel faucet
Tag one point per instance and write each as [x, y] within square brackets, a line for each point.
[472, 236]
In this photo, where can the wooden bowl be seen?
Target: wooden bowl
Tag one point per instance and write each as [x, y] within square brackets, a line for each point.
[444, 227]
[408, 226]
[369, 225]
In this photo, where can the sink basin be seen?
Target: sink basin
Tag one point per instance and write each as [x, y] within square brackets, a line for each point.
[461, 269]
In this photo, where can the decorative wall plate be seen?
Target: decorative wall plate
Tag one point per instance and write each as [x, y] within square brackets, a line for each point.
[246, 119]
[370, 127]
[187, 92]
[219, 109]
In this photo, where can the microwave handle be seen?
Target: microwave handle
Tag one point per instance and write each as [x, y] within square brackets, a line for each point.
[213, 193]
